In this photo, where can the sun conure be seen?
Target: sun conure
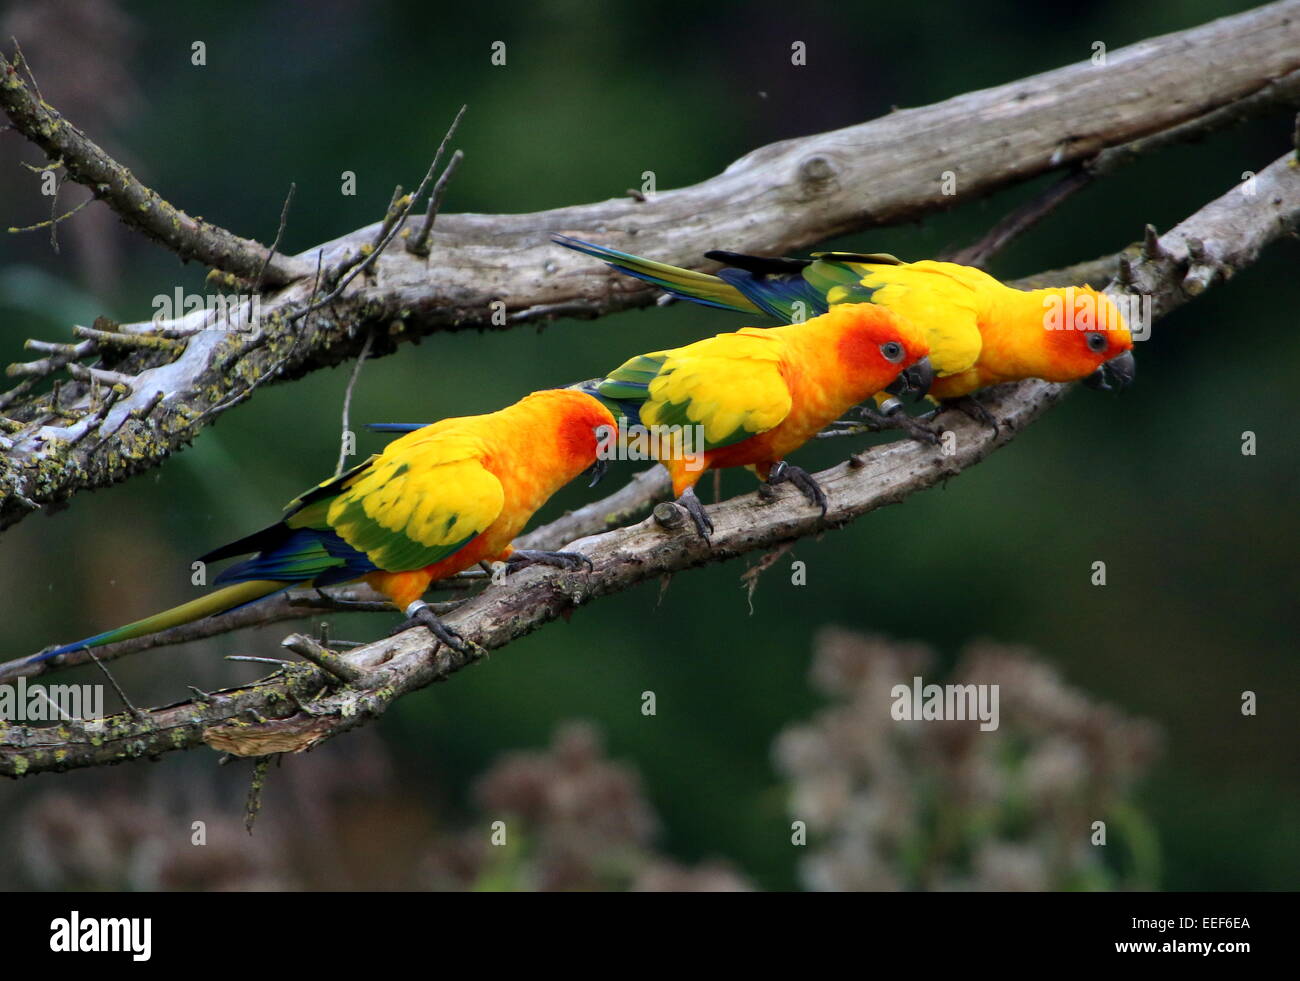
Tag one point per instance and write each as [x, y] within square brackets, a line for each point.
[433, 503]
[749, 398]
[981, 332]
[752, 397]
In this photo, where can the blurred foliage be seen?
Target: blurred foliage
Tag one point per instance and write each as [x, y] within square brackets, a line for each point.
[880, 803]
[559, 820]
[893, 801]
[1199, 540]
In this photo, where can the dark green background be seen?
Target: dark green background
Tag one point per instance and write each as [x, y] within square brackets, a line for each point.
[1199, 540]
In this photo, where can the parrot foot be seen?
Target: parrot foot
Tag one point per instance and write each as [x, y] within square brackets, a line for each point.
[521, 558]
[973, 408]
[420, 614]
[900, 420]
[788, 473]
[691, 504]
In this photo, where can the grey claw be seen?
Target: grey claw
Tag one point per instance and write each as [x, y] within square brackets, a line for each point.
[695, 509]
[523, 557]
[423, 616]
[802, 479]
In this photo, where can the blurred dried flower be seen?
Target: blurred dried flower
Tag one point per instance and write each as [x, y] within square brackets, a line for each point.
[337, 818]
[572, 820]
[894, 805]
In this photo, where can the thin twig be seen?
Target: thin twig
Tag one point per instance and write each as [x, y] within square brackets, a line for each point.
[139, 207]
[54, 207]
[102, 375]
[253, 806]
[1021, 220]
[347, 403]
[419, 245]
[96, 419]
[234, 400]
[21, 58]
[304, 646]
[55, 705]
[279, 234]
[50, 222]
[356, 269]
[116, 687]
[109, 338]
[391, 216]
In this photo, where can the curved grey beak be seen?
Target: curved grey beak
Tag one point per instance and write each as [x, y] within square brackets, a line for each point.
[597, 471]
[914, 382]
[1114, 375]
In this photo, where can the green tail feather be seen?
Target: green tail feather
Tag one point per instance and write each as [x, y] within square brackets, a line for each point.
[686, 283]
[213, 603]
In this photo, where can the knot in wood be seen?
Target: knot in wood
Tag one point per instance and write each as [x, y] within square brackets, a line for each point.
[817, 173]
[668, 515]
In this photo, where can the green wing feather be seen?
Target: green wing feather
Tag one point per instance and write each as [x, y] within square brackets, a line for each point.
[632, 379]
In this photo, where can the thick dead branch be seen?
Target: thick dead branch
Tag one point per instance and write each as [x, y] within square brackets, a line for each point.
[778, 198]
[299, 706]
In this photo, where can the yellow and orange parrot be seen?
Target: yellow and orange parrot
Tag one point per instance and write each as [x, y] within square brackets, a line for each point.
[754, 396]
[980, 331]
[433, 503]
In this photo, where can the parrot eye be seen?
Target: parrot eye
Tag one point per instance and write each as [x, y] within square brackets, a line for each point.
[892, 351]
[1096, 342]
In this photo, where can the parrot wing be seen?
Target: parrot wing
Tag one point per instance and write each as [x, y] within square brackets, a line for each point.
[421, 501]
[732, 385]
[417, 503]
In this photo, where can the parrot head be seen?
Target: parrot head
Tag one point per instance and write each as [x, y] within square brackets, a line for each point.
[1089, 341]
[875, 342]
[574, 426]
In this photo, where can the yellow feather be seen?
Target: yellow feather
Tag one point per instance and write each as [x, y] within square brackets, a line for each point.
[729, 382]
[942, 298]
[427, 492]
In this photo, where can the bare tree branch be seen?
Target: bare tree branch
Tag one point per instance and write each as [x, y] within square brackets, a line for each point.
[779, 197]
[1021, 220]
[1284, 91]
[300, 705]
[137, 206]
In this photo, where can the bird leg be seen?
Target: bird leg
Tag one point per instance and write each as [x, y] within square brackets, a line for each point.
[420, 614]
[973, 408]
[896, 418]
[784, 472]
[695, 509]
[521, 558]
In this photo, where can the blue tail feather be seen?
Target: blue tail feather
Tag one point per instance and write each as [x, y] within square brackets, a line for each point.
[304, 555]
[69, 648]
[395, 427]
